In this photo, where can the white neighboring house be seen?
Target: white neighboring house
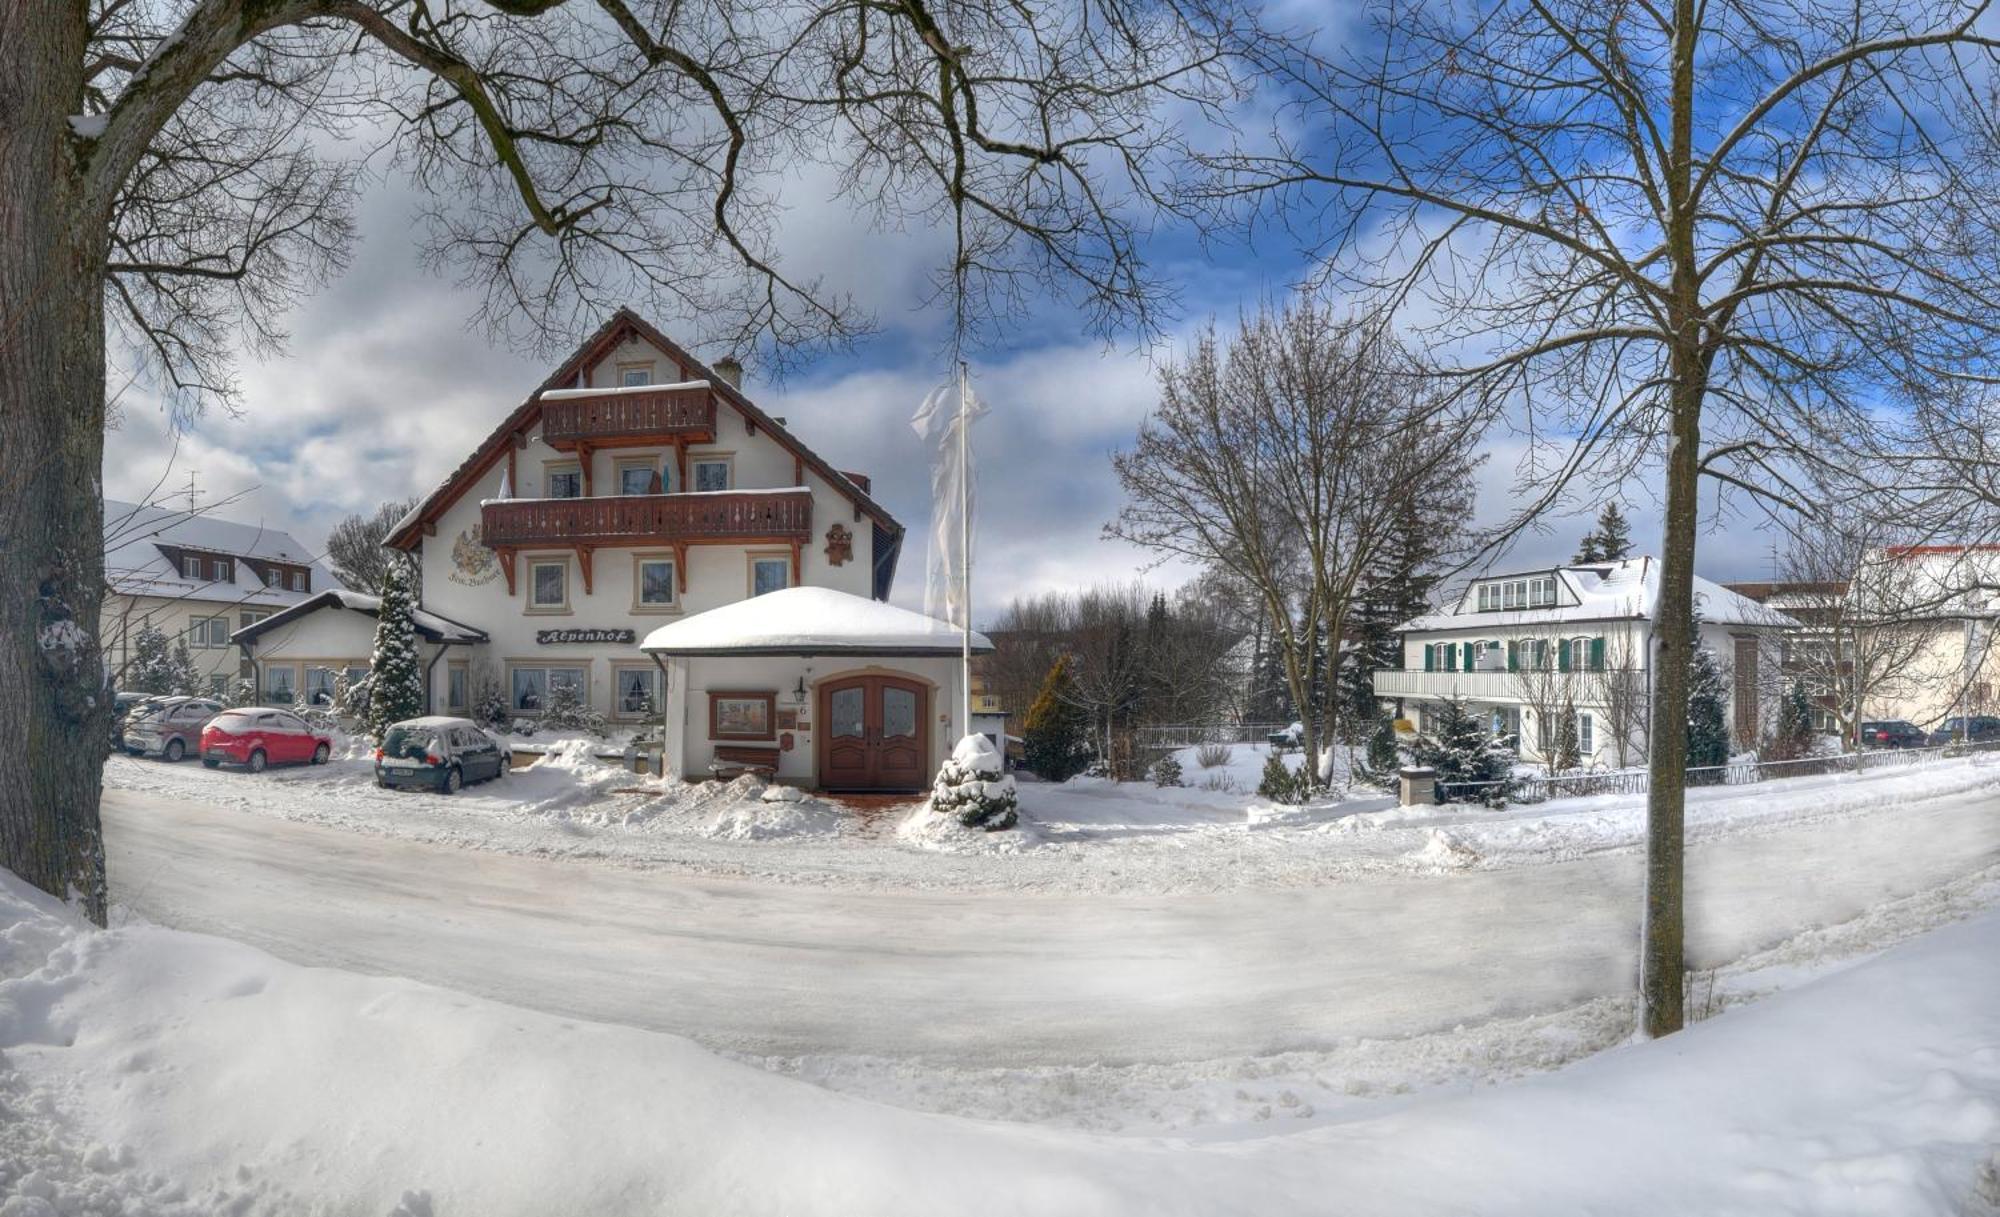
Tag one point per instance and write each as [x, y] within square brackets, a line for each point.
[1522, 648]
[197, 577]
[636, 489]
[300, 651]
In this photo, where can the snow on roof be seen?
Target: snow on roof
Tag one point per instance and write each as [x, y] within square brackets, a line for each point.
[1602, 591]
[433, 627]
[809, 621]
[560, 394]
[134, 565]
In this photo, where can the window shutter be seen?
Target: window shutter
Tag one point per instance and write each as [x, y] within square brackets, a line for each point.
[1430, 657]
[1597, 654]
[1468, 657]
[1513, 656]
[1562, 655]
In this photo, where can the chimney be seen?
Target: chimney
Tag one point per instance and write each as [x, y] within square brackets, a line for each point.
[730, 370]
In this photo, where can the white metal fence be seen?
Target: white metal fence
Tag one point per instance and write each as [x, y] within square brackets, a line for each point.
[1540, 789]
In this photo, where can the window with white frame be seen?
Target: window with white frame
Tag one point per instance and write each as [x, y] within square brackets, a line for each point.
[548, 584]
[208, 633]
[300, 581]
[769, 573]
[565, 482]
[654, 583]
[1586, 734]
[1532, 654]
[191, 567]
[319, 686]
[273, 577]
[1579, 654]
[281, 684]
[456, 678]
[636, 477]
[710, 473]
[534, 685]
[634, 376]
[637, 691]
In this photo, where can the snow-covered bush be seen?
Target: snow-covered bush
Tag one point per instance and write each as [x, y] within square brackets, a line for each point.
[567, 711]
[350, 699]
[490, 706]
[1212, 756]
[1166, 771]
[974, 788]
[1472, 764]
[241, 693]
[161, 667]
[1098, 768]
[1281, 783]
[396, 677]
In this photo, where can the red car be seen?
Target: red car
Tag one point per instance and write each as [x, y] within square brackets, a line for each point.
[258, 736]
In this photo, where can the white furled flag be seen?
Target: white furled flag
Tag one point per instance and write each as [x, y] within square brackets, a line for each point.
[938, 422]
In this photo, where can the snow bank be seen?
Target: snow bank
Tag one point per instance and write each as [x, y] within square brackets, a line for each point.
[777, 811]
[171, 1073]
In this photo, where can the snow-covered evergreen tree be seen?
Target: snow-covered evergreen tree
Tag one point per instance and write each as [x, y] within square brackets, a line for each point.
[1281, 783]
[350, 699]
[395, 673]
[1399, 592]
[1472, 763]
[1793, 736]
[1166, 771]
[1708, 712]
[567, 711]
[490, 707]
[183, 677]
[1055, 737]
[973, 787]
[151, 667]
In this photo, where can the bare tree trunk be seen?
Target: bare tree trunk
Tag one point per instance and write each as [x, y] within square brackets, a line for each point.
[52, 709]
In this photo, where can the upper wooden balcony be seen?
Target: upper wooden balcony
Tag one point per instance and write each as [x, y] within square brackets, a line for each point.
[628, 418]
[715, 518]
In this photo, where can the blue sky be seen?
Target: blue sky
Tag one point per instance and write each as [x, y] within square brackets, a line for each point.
[383, 389]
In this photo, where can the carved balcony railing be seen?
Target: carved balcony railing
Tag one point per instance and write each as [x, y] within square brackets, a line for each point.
[716, 518]
[610, 419]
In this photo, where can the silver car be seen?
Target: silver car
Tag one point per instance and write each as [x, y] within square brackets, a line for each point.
[168, 727]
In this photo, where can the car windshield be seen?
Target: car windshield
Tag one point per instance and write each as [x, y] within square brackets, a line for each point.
[408, 743]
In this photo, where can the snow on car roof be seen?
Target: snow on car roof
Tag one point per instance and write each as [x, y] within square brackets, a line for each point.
[434, 720]
[809, 621]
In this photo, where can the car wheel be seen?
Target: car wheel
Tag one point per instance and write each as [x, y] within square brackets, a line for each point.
[453, 779]
[174, 751]
[257, 759]
[210, 762]
[319, 755]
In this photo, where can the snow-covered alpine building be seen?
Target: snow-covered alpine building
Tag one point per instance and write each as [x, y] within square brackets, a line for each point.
[641, 532]
[1525, 649]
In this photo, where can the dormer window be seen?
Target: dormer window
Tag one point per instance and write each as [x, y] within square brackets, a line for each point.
[273, 577]
[632, 377]
[191, 567]
[1517, 594]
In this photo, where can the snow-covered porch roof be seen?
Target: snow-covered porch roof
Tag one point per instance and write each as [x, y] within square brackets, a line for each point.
[810, 621]
[430, 626]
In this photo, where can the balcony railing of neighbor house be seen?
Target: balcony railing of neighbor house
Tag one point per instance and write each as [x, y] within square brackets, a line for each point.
[1438, 685]
[608, 419]
[717, 517]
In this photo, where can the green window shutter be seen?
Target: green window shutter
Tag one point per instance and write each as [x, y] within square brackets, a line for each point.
[1468, 657]
[1451, 657]
[1513, 656]
[1562, 655]
[1597, 654]
[1430, 657]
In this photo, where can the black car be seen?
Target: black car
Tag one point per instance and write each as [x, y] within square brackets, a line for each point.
[1893, 733]
[438, 753]
[1977, 729]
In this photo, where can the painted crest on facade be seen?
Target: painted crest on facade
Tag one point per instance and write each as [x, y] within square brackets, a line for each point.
[471, 562]
[839, 545]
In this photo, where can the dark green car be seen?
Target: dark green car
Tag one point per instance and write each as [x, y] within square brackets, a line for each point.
[438, 753]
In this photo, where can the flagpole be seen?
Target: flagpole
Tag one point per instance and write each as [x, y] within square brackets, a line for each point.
[965, 550]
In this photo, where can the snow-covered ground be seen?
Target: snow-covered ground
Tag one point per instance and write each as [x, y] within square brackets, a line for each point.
[146, 1070]
[1086, 835]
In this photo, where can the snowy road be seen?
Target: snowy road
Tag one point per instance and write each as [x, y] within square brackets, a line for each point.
[984, 978]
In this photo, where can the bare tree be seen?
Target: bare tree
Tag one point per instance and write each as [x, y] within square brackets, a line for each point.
[1623, 694]
[1551, 695]
[1292, 460]
[1872, 617]
[354, 546]
[164, 170]
[1709, 237]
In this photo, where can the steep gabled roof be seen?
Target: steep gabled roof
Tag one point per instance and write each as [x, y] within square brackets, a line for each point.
[1628, 589]
[409, 529]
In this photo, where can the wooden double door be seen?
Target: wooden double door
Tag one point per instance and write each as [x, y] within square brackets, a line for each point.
[874, 734]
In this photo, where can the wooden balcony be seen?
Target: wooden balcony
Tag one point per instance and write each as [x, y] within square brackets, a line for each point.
[665, 521]
[673, 414]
